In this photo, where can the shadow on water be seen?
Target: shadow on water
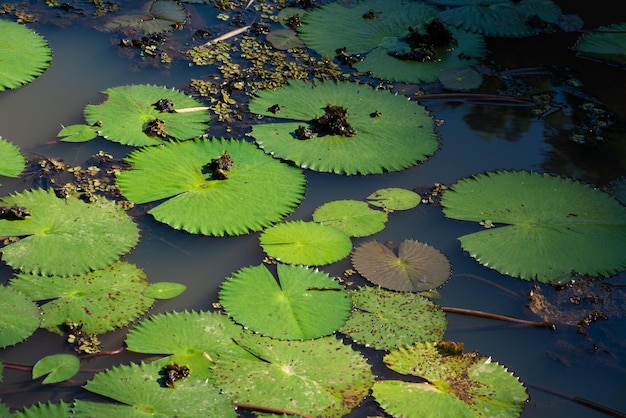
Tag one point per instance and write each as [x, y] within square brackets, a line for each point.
[476, 137]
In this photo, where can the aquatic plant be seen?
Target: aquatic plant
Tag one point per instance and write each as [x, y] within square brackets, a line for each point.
[156, 16]
[19, 317]
[44, 410]
[604, 43]
[353, 217]
[12, 161]
[56, 368]
[394, 198]
[344, 128]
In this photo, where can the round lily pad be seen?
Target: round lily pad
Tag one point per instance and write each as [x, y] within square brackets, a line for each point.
[309, 243]
[130, 115]
[416, 266]
[353, 217]
[19, 317]
[394, 198]
[300, 303]
[25, 55]
[344, 128]
[65, 236]
[57, 367]
[12, 161]
[538, 226]
[254, 192]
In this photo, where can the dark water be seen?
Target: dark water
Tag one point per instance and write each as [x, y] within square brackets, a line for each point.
[476, 137]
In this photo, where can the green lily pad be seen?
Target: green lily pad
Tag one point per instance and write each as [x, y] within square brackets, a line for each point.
[12, 161]
[605, 43]
[416, 266]
[78, 133]
[309, 243]
[353, 217]
[300, 303]
[545, 227]
[460, 79]
[155, 17]
[185, 337]
[321, 377]
[25, 55]
[45, 410]
[164, 290]
[101, 300]
[394, 198]
[65, 236]
[19, 317]
[57, 367]
[376, 142]
[379, 42]
[139, 388]
[129, 115]
[385, 320]
[258, 191]
[459, 385]
[283, 39]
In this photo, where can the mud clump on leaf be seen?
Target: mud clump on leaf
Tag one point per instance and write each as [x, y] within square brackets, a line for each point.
[220, 166]
[173, 372]
[333, 122]
[14, 213]
[156, 127]
[164, 105]
[426, 47]
[304, 133]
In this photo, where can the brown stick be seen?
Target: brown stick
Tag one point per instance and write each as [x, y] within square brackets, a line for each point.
[474, 97]
[582, 401]
[268, 409]
[489, 282]
[191, 109]
[228, 35]
[489, 315]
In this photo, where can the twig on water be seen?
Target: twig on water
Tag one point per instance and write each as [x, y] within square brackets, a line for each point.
[475, 97]
[103, 353]
[228, 35]
[581, 401]
[488, 315]
[489, 282]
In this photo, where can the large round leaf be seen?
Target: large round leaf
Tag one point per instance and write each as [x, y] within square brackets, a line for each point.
[321, 377]
[552, 226]
[416, 266]
[25, 55]
[301, 303]
[128, 111]
[19, 317]
[258, 191]
[310, 243]
[12, 160]
[100, 300]
[384, 320]
[392, 133]
[378, 41]
[65, 236]
[353, 217]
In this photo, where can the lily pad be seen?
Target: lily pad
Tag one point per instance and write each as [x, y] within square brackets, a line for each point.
[12, 161]
[139, 389]
[156, 17]
[416, 266]
[460, 79]
[283, 39]
[129, 115]
[374, 143]
[459, 385]
[321, 377]
[45, 410]
[385, 320]
[394, 198]
[57, 367]
[258, 191]
[65, 236]
[100, 300]
[19, 317]
[300, 303]
[605, 43]
[382, 42]
[353, 217]
[78, 133]
[25, 55]
[544, 226]
[164, 290]
[309, 243]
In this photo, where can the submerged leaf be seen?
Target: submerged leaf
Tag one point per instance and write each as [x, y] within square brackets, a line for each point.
[158, 16]
[353, 217]
[58, 367]
[65, 236]
[283, 39]
[460, 79]
[300, 303]
[258, 191]
[12, 161]
[19, 317]
[552, 226]
[373, 142]
[164, 290]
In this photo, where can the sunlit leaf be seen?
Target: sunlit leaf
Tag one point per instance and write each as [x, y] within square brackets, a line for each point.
[394, 198]
[45, 410]
[78, 133]
[57, 367]
[300, 303]
[544, 226]
[164, 290]
[12, 161]
[353, 217]
[19, 317]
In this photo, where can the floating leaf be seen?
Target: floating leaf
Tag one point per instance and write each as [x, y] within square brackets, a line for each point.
[100, 300]
[185, 336]
[379, 143]
[415, 268]
[605, 43]
[45, 410]
[394, 198]
[65, 236]
[321, 377]
[57, 367]
[78, 133]
[553, 226]
[283, 39]
[158, 16]
[12, 161]
[353, 217]
[460, 78]
[378, 42]
[384, 320]
[258, 191]
[25, 55]
[309, 243]
[140, 389]
[459, 385]
[164, 290]
[301, 303]
[19, 317]
[129, 113]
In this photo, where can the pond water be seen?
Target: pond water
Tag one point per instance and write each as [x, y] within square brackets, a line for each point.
[475, 137]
